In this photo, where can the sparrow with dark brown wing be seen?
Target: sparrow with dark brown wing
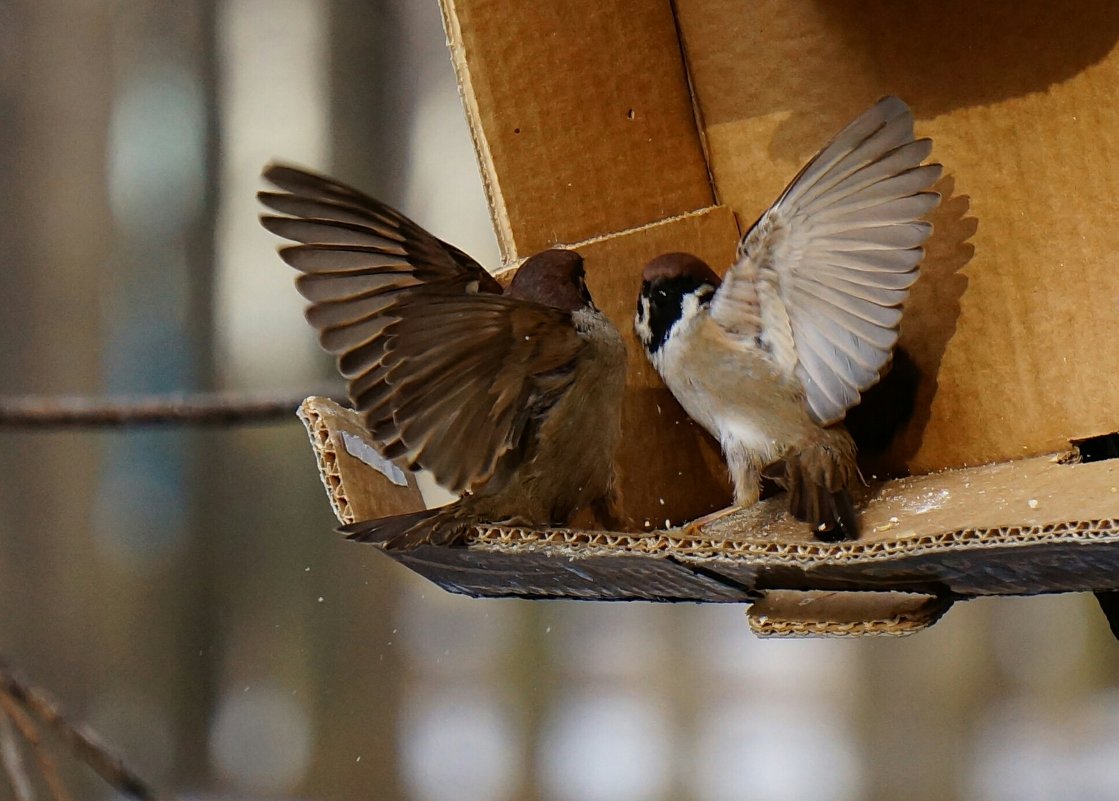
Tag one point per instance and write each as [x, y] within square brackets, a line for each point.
[512, 399]
[770, 359]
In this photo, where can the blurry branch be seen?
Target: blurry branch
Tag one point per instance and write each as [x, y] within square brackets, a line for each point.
[199, 409]
[26, 707]
[12, 761]
[30, 733]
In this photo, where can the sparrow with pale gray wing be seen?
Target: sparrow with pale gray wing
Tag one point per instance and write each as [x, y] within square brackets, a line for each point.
[770, 359]
[512, 399]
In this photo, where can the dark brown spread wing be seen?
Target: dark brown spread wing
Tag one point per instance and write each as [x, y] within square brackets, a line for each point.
[346, 231]
[461, 378]
[446, 371]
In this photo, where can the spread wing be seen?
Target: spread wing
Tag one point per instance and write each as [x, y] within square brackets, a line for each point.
[445, 370]
[463, 380]
[821, 277]
[344, 230]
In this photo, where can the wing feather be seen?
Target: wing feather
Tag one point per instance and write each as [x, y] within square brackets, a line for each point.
[887, 125]
[332, 219]
[833, 259]
[463, 380]
[448, 373]
[348, 310]
[867, 211]
[331, 287]
[314, 231]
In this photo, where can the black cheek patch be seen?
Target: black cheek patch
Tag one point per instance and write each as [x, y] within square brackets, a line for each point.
[664, 310]
[666, 304]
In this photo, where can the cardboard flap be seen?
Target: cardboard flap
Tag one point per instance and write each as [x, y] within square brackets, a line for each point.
[844, 614]
[581, 115]
[359, 482]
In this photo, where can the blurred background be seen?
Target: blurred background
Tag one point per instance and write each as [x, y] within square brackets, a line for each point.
[182, 590]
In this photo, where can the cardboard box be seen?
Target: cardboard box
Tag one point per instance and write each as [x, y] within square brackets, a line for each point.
[626, 130]
[1010, 325]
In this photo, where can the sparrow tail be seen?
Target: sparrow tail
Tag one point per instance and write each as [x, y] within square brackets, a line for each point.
[816, 477]
[830, 514]
[404, 532]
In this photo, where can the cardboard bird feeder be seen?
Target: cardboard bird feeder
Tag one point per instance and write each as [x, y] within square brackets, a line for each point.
[628, 130]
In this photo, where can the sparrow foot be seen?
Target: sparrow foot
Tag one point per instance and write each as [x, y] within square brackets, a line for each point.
[695, 527]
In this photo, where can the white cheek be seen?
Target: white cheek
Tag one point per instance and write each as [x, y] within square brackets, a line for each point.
[641, 322]
[690, 308]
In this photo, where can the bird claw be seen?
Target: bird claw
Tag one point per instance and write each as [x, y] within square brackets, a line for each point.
[695, 527]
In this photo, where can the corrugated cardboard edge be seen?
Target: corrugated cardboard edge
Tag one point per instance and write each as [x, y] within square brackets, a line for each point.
[356, 489]
[490, 185]
[326, 456]
[569, 543]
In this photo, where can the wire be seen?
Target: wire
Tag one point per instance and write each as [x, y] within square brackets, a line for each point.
[215, 409]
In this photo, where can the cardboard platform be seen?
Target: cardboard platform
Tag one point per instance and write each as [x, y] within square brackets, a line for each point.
[1010, 529]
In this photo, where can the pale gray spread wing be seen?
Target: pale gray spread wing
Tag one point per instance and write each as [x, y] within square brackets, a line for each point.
[820, 278]
[446, 371]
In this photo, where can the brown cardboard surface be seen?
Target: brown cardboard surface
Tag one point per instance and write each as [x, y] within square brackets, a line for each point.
[581, 114]
[1038, 492]
[1015, 345]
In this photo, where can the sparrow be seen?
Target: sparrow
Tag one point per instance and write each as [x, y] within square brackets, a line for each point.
[770, 358]
[510, 398]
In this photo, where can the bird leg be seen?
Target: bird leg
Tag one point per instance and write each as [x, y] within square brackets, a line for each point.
[746, 473]
[695, 527]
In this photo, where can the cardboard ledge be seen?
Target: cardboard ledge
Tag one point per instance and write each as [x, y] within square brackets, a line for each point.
[844, 614]
[901, 576]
